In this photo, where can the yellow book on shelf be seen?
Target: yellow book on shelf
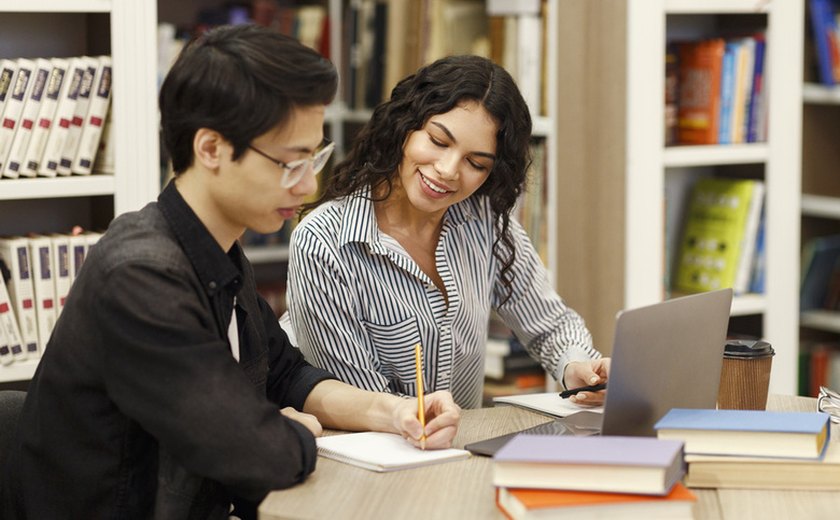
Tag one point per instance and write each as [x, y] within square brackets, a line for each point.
[718, 239]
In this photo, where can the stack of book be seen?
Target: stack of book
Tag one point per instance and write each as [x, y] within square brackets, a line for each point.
[36, 273]
[53, 114]
[721, 91]
[755, 449]
[542, 476]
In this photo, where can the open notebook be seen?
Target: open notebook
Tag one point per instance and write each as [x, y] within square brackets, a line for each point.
[379, 451]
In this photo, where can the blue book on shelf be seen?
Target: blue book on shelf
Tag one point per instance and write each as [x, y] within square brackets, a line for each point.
[727, 91]
[822, 23]
[757, 90]
[747, 433]
[759, 267]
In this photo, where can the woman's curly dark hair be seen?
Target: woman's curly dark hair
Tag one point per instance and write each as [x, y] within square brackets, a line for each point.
[435, 89]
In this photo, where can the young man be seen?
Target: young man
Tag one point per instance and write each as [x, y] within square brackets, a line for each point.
[168, 389]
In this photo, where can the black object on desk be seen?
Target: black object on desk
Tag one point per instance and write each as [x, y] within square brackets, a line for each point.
[565, 394]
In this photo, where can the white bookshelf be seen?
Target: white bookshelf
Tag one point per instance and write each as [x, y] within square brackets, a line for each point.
[617, 171]
[47, 28]
[820, 188]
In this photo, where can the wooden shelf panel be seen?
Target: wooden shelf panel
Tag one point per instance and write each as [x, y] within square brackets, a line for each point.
[57, 187]
[821, 320]
[714, 155]
[56, 6]
[748, 304]
[267, 254]
[18, 371]
[717, 6]
[820, 206]
[817, 94]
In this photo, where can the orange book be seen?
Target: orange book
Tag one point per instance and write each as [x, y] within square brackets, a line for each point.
[520, 504]
[700, 66]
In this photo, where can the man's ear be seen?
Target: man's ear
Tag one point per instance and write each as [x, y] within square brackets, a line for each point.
[208, 146]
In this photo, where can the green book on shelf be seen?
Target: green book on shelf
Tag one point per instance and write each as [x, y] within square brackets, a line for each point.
[718, 239]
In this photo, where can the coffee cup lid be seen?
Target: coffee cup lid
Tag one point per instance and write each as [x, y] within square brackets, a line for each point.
[737, 348]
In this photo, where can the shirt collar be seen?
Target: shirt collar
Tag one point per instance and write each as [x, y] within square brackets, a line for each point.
[215, 268]
[358, 222]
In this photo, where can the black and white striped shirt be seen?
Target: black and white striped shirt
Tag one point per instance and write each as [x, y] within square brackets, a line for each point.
[358, 303]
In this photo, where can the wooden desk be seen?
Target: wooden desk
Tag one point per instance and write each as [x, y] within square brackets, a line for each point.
[463, 490]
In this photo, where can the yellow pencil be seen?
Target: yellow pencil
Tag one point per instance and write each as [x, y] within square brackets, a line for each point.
[421, 407]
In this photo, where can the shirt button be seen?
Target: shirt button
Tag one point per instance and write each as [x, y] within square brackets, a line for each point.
[212, 285]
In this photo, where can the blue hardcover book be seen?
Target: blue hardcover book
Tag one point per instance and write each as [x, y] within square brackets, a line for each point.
[757, 90]
[759, 266]
[727, 91]
[822, 22]
[747, 433]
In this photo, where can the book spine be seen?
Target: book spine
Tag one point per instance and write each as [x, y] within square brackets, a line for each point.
[15, 252]
[745, 263]
[7, 72]
[9, 324]
[71, 141]
[757, 91]
[78, 251]
[727, 90]
[5, 350]
[40, 252]
[820, 11]
[49, 103]
[61, 270]
[28, 119]
[100, 98]
[18, 92]
[62, 120]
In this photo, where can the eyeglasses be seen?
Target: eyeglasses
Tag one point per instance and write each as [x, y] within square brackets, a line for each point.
[294, 171]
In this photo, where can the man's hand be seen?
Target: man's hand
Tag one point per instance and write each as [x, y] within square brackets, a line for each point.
[308, 420]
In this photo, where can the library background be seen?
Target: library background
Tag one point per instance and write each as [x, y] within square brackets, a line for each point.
[679, 146]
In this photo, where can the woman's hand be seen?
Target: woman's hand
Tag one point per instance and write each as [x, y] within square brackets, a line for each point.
[584, 373]
[442, 418]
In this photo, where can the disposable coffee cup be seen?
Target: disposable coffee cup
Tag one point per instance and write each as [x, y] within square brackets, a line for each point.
[745, 376]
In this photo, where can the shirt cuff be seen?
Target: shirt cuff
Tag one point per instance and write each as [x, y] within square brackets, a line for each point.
[572, 354]
[307, 377]
[308, 448]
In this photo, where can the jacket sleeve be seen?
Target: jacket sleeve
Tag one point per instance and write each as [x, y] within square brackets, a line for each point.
[165, 367]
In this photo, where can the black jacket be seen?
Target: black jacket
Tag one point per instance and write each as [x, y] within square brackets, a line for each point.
[138, 408]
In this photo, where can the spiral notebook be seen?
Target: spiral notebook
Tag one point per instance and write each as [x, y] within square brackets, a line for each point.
[382, 452]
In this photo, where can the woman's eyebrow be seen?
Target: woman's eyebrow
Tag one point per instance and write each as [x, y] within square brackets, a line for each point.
[452, 138]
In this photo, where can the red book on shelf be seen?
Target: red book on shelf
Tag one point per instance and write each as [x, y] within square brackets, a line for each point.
[699, 107]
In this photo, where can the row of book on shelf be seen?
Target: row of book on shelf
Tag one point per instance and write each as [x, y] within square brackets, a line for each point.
[722, 239]
[308, 23]
[820, 275]
[714, 91]
[564, 476]
[825, 36]
[819, 366]
[386, 40]
[53, 113]
[37, 273]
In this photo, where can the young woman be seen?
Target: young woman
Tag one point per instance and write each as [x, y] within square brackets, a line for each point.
[412, 242]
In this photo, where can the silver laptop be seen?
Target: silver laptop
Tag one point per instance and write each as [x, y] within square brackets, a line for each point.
[666, 355]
